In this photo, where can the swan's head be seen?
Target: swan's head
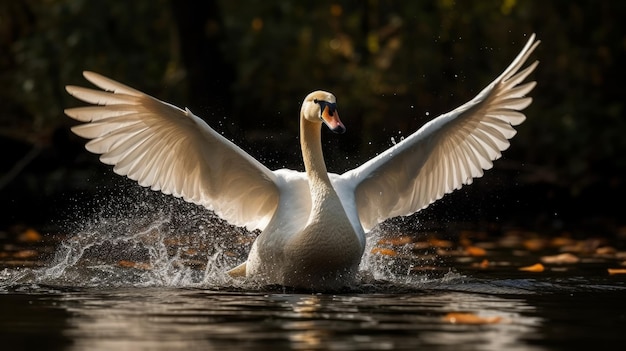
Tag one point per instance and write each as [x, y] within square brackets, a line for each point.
[321, 107]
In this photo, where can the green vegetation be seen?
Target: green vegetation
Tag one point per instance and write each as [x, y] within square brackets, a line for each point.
[245, 66]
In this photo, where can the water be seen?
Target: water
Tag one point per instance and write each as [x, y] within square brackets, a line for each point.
[165, 318]
[149, 275]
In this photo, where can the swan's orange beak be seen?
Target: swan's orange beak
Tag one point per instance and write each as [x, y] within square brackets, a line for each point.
[330, 116]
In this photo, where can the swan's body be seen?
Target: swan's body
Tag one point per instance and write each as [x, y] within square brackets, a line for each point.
[314, 223]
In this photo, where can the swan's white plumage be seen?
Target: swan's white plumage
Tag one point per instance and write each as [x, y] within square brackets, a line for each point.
[447, 152]
[169, 149]
[172, 150]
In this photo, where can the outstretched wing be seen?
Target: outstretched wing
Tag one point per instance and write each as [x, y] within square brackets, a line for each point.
[169, 149]
[447, 152]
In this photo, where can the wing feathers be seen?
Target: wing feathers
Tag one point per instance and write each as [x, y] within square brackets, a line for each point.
[518, 78]
[108, 84]
[95, 113]
[169, 149]
[102, 98]
[447, 152]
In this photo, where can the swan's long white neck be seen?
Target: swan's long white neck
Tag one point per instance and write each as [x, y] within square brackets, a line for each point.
[327, 248]
[319, 182]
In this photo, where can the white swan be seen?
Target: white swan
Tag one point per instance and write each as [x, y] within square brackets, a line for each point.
[314, 223]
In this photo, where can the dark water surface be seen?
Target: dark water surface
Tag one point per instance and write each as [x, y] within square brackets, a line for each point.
[551, 312]
[157, 282]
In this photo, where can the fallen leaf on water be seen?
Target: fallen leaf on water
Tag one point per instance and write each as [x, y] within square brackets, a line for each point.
[397, 241]
[383, 251]
[577, 247]
[535, 244]
[562, 258]
[23, 254]
[421, 245]
[133, 264]
[562, 241]
[510, 240]
[606, 250]
[538, 267]
[470, 318]
[613, 271]
[465, 242]
[29, 235]
[475, 251]
[434, 242]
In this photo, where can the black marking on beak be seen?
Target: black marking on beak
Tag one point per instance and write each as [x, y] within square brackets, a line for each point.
[332, 107]
[339, 129]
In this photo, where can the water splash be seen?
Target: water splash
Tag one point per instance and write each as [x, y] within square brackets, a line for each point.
[136, 237]
[141, 238]
[402, 269]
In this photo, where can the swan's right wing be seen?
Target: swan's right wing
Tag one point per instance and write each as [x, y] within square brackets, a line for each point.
[444, 154]
[169, 149]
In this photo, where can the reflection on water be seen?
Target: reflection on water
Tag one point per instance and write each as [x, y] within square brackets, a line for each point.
[189, 319]
[166, 318]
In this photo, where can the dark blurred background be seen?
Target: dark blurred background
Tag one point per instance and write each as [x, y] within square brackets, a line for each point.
[245, 66]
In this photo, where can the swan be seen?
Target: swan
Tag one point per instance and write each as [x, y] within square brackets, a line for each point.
[314, 223]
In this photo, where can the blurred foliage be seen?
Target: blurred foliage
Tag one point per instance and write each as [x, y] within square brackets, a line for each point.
[392, 64]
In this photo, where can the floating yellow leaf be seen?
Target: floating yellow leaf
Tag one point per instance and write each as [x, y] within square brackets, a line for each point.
[421, 245]
[613, 271]
[562, 241]
[397, 241]
[29, 235]
[606, 250]
[383, 251]
[562, 258]
[475, 251]
[538, 267]
[434, 242]
[470, 318]
[535, 244]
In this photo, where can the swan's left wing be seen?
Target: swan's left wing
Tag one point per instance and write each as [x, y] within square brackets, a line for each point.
[446, 153]
[169, 149]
